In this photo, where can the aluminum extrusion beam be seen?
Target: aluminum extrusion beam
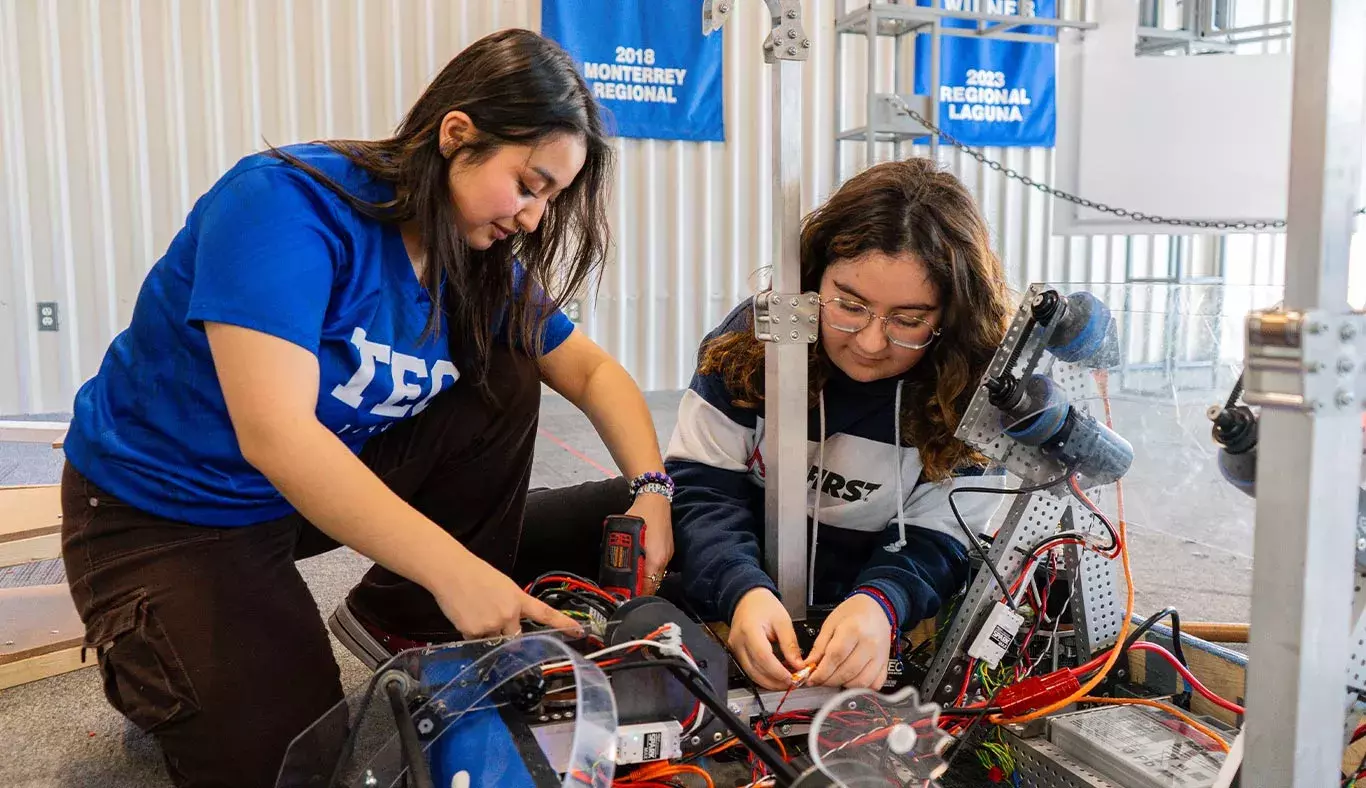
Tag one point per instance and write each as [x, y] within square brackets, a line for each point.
[1309, 462]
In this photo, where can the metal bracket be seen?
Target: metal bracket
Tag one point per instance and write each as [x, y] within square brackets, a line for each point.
[714, 15]
[787, 40]
[786, 318]
[1305, 361]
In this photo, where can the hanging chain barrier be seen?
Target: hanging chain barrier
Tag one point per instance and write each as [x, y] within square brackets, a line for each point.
[1137, 216]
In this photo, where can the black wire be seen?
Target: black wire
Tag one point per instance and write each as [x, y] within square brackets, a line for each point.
[1093, 509]
[1148, 624]
[349, 746]
[977, 543]
[970, 711]
[409, 745]
[656, 662]
[696, 683]
[596, 603]
[976, 720]
[753, 687]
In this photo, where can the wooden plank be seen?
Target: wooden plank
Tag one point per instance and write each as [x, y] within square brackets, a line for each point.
[40, 633]
[42, 666]
[30, 511]
[32, 431]
[35, 548]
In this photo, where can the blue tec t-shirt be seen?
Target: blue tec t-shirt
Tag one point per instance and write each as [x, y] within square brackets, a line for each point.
[271, 249]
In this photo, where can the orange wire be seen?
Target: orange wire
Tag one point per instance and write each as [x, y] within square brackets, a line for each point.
[1175, 712]
[665, 770]
[1102, 381]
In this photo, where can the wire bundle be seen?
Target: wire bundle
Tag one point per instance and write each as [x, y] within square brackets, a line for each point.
[1095, 671]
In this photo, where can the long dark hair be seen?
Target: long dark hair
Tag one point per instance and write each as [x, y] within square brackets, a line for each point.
[898, 207]
[518, 88]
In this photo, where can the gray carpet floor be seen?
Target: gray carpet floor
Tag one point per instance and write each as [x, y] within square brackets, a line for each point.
[1190, 538]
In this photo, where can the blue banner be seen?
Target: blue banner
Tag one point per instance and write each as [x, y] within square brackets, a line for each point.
[994, 93]
[647, 63]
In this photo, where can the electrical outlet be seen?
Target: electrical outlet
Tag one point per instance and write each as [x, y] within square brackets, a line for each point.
[47, 316]
[573, 310]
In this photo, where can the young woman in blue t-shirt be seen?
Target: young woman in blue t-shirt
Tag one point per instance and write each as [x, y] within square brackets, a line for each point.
[344, 344]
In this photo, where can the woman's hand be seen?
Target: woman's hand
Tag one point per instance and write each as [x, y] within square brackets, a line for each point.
[655, 510]
[483, 602]
[853, 647]
[760, 620]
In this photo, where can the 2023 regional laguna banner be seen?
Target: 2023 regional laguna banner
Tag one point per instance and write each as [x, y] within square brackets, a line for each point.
[991, 92]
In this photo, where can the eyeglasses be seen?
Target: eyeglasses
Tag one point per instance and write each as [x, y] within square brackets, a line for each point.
[851, 317]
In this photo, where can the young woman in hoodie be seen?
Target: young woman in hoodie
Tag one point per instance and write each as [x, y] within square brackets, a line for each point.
[913, 306]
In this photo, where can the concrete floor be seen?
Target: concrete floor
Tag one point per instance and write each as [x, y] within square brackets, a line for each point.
[1190, 537]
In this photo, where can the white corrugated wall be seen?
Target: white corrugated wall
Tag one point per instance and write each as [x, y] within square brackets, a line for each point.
[116, 114]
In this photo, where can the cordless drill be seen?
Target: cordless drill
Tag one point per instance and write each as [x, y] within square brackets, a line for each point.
[622, 569]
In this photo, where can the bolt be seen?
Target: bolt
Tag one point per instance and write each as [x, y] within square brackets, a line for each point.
[791, 13]
[1361, 543]
[777, 299]
[1345, 366]
[791, 33]
[948, 688]
[806, 43]
[791, 50]
[852, 706]
[810, 337]
[735, 709]
[425, 727]
[795, 318]
[1316, 327]
[957, 668]
[796, 302]
[811, 319]
[813, 299]
[556, 716]
[718, 736]
[1344, 398]
[544, 718]
[796, 336]
[723, 8]
[370, 779]
[696, 740]
[785, 728]
[569, 715]
[1348, 332]
[1314, 367]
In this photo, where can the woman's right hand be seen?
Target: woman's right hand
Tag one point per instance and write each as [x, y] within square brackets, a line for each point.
[760, 620]
[483, 602]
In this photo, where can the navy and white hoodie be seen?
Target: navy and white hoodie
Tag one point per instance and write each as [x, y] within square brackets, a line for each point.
[879, 525]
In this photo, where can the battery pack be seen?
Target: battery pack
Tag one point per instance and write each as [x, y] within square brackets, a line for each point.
[1137, 747]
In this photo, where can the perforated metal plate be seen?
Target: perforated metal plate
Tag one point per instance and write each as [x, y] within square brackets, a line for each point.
[1356, 662]
[1031, 518]
[1041, 765]
[981, 424]
[1097, 594]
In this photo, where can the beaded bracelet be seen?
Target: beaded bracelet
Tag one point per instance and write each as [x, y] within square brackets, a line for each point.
[653, 482]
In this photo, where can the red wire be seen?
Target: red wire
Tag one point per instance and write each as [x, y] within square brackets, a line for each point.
[577, 585]
[1190, 678]
[967, 679]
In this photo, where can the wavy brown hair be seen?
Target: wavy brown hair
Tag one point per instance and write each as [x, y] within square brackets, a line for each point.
[901, 207]
[518, 88]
